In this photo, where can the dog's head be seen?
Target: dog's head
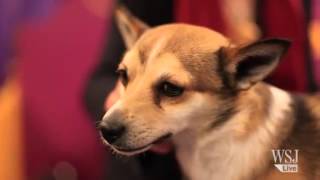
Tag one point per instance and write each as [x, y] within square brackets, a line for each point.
[177, 76]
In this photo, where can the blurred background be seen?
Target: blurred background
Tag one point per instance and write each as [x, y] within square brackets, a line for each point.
[57, 64]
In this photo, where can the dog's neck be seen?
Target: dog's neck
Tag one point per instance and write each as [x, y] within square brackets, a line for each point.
[245, 140]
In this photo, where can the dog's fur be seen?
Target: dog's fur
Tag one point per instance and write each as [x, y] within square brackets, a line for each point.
[226, 122]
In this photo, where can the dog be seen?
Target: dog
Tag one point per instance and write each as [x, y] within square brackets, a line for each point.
[194, 86]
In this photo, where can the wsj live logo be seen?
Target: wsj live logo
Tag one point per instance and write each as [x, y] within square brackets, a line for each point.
[286, 160]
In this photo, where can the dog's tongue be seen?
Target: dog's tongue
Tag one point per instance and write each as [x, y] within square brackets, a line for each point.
[162, 148]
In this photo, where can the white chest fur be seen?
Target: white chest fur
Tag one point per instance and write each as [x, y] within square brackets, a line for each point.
[219, 155]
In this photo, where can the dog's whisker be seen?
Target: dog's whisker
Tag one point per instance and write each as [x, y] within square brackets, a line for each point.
[97, 124]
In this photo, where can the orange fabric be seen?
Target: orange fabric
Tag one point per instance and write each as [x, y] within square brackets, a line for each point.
[10, 131]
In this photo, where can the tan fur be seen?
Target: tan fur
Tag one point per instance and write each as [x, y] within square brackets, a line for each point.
[189, 44]
[218, 133]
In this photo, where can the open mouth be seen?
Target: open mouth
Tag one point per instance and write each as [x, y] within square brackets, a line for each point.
[143, 148]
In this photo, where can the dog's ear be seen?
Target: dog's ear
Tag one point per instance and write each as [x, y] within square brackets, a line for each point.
[254, 62]
[131, 28]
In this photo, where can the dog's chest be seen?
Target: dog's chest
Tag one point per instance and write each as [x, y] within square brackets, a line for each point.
[200, 162]
[219, 159]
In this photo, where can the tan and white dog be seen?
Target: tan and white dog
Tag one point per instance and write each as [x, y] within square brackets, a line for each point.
[193, 85]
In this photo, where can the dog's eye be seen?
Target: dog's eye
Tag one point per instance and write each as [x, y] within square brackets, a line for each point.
[123, 76]
[170, 90]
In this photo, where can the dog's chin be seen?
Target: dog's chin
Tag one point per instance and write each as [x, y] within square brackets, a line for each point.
[139, 150]
[131, 152]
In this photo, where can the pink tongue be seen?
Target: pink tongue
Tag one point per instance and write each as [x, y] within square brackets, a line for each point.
[162, 148]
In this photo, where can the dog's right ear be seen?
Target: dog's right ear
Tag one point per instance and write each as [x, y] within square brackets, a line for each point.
[131, 28]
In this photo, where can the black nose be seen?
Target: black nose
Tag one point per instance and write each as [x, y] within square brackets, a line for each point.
[112, 133]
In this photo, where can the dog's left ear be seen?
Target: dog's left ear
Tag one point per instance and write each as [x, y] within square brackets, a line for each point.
[254, 62]
[131, 28]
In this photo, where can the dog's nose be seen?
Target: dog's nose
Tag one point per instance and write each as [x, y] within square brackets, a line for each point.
[112, 133]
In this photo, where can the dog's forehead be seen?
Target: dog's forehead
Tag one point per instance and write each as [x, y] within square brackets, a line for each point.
[184, 41]
[193, 46]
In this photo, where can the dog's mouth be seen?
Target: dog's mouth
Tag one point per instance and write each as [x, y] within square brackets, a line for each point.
[133, 151]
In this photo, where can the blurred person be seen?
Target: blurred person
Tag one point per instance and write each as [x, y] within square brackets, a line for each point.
[13, 14]
[41, 114]
[11, 149]
[314, 33]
